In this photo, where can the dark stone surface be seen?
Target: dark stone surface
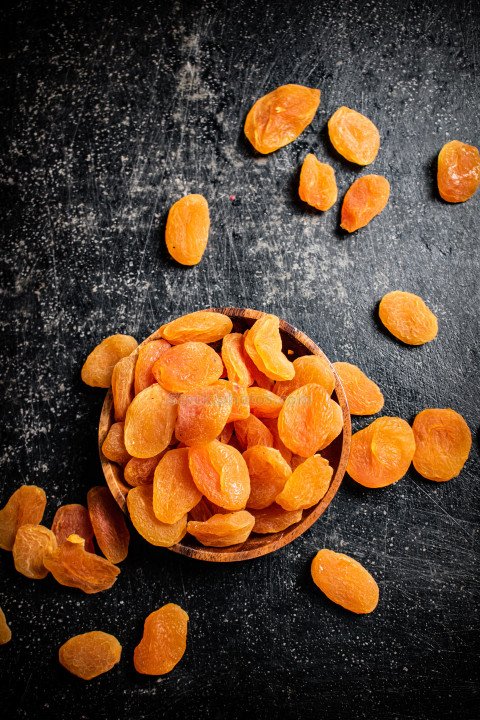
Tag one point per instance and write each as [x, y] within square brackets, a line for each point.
[111, 112]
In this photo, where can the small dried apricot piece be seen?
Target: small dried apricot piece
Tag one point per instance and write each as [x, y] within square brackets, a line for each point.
[308, 369]
[72, 566]
[274, 518]
[91, 654]
[443, 442]
[364, 397]
[344, 581]
[458, 174]
[202, 415]
[32, 544]
[278, 118]
[252, 431]
[174, 492]
[188, 367]
[307, 485]
[264, 403]
[113, 446]
[408, 318]
[263, 343]
[354, 136]
[98, 367]
[108, 524]
[186, 232]
[73, 519]
[235, 358]
[139, 471]
[318, 186]
[381, 453]
[164, 641]
[366, 197]
[25, 506]
[268, 474]
[150, 422]
[122, 386]
[140, 507]
[5, 632]
[220, 473]
[223, 529]
[201, 326]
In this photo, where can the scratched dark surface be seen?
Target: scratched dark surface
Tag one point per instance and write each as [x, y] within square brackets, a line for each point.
[109, 116]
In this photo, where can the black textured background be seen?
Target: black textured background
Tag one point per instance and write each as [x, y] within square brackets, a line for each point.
[111, 112]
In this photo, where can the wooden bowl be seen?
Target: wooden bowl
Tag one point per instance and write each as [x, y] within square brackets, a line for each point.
[337, 454]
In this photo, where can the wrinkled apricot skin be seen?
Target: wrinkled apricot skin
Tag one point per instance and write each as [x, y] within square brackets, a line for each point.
[149, 422]
[5, 632]
[307, 485]
[278, 118]
[123, 376]
[381, 453]
[188, 367]
[174, 492]
[443, 442]
[408, 318]
[364, 397]
[186, 232]
[139, 471]
[268, 474]
[458, 173]
[318, 186]
[273, 519]
[365, 199]
[272, 426]
[221, 474]
[264, 403]
[263, 343]
[241, 404]
[91, 654]
[113, 446]
[72, 566]
[203, 415]
[201, 326]
[354, 136]
[223, 530]
[164, 641]
[108, 524]
[98, 367]
[140, 508]
[252, 431]
[237, 362]
[344, 581]
[32, 544]
[73, 519]
[25, 506]
[148, 354]
[308, 369]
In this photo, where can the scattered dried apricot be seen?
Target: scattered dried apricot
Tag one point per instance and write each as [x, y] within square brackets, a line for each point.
[140, 507]
[318, 186]
[344, 581]
[188, 367]
[443, 441]
[364, 397]
[308, 369]
[365, 199]
[252, 431]
[235, 358]
[90, 654]
[174, 492]
[113, 446]
[72, 566]
[150, 422]
[309, 420]
[201, 326]
[264, 403]
[408, 318]
[202, 415]
[223, 529]
[458, 174]
[122, 386]
[32, 544]
[108, 524]
[148, 354]
[164, 641]
[263, 343]
[24, 507]
[354, 136]
[186, 232]
[274, 518]
[98, 367]
[73, 519]
[268, 474]
[5, 632]
[220, 473]
[307, 485]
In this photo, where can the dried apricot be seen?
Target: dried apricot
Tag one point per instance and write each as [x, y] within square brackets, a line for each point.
[365, 199]
[174, 492]
[164, 641]
[264, 403]
[354, 136]
[202, 415]
[188, 367]
[108, 524]
[268, 474]
[90, 654]
[241, 404]
[122, 386]
[263, 344]
[364, 397]
[202, 511]
[98, 367]
[274, 518]
[140, 507]
[223, 529]
[381, 453]
[309, 420]
[279, 117]
[73, 519]
[252, 431]
[308, 369]
[443, 441]
[150, 422]
[344, 581]
[458, 174]
[72, 566]
[307, 485]
[32, 544]
[24, 507]
[408, 318]
[226, 434]
[237, 362]
[5, 632]
[318, 186]
[186, 232]
[272, 425]
[113, 446]
[148, 354]
[139, 471]
[220, 473]
[201, 326]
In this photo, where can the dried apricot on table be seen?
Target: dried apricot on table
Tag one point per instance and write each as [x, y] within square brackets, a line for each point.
[25, 506]
[236, 360]
[203, 414]
[140, 508]
[458, 173]
[139, 471]
[72, 566]
[252, 431]
[344, 581]
[364, 397]
[5, 632]
[90, 654]
[220, 473]
[263, 343]
[318, 186]
[73, 519]
[188, 367]
[278, 118]
[122, 386]
[148, 354]
[354, 136]
[365, 199]
[307, 485]
[201, 326]
[186, 232]
[381, 453]
[268, 474]
[150, 422]
[174, 492]
[443, 442]
[113, 447]
[223, 529]
[108, 524]
[264, 403]
[164, 641]
[408, 318]
[308, 369]
[32, 544]
[274, 519]
[98, 367]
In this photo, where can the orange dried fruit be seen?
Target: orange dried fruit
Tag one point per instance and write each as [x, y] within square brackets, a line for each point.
[458, 173]
[308, 369]
[150, 422]
[263, 343]
[252, 431]
[32, 544]
[307, 485]
[186, 232]
[309, 420]
[91, 654]
[123, 376]
[5, 632]
[223, 529]
[241, 404]
[259, 378]
[366, 197]
[220, 473]
[139, 471]
[174, 492]
[408, 318]
[226, 434]
[202, 415]
[264, 403]
[72, 566]
[268, 474]
[73, 519]
[236, 360]
[364, 397]
[318, 186]
[201, 326]
[274, 518]
[113, 447]
[164, 641]
[140, 507]
[148, 354]
[108, 524]
[381, 453]
[344, 581]
[354, 136]
[98, 367]
[443, 442]
[272, 425]
[202, 511]
[278, 118]
[188, 367]
[25, 506]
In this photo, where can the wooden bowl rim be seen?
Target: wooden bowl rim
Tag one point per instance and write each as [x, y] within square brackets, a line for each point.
[119, 488]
